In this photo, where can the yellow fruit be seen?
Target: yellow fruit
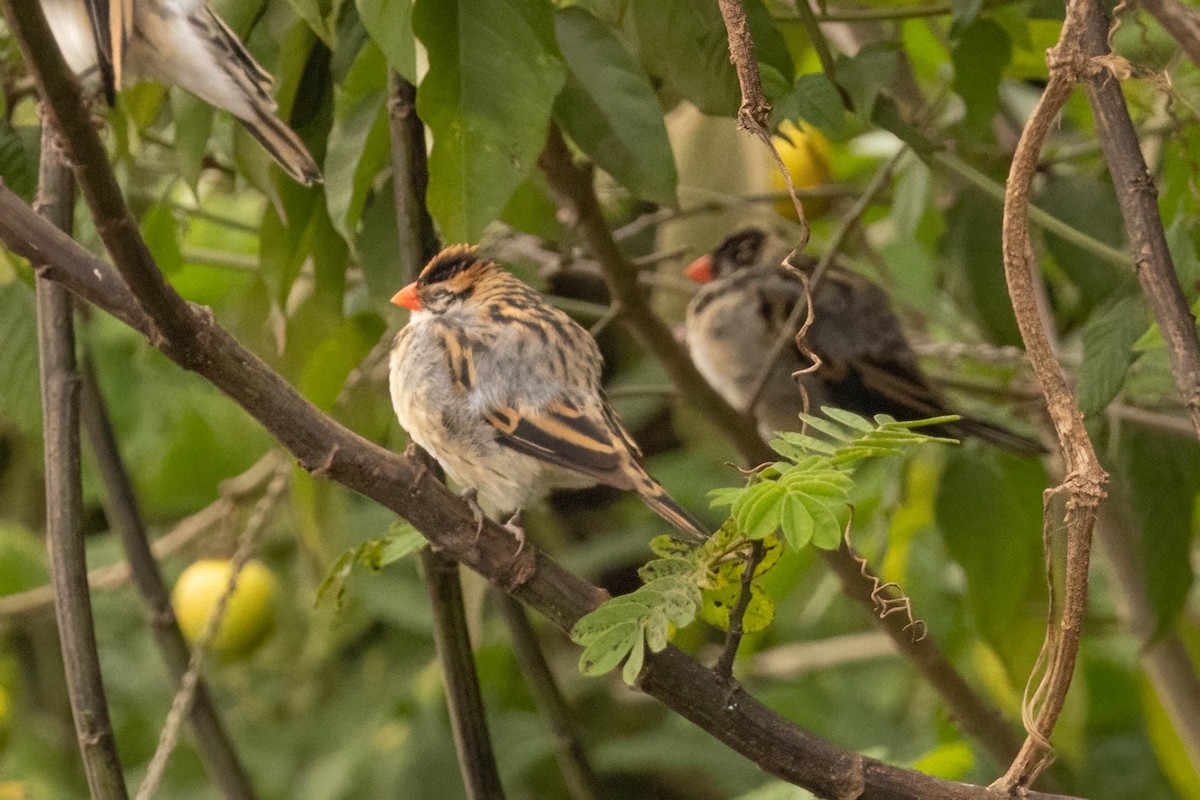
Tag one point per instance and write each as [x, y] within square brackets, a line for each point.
[249, 614]
[805, 152]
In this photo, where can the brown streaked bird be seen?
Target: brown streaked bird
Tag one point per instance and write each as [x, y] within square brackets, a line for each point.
[116, 43]
[504, 391]
[867, 365]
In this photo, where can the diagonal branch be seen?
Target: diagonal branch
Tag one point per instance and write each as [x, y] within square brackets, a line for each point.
[325, 447]
[1182, 22]
[1138, 199]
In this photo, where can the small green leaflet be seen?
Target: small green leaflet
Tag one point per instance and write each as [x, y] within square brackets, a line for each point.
[402, 540]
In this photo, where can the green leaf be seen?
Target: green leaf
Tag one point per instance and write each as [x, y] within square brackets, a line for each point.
[633, 664]
[1088, 204]
[795, 521]
[616, 613]
[285, 239]
[378, 246]
[848, 418]
[605, 651]
[193, 120]
[758, 514]
[1163, 476]
[389, 24]
[866, 74]
[816, 100]
[665, 567]
[827, 528]
[22, 560]
[160, 229]
[20, 402]
[989, 508]
[982, 53]
[658, 630]
[972, 240]
[339, 352]
[488, 114]
[684, 45]
[402, 540]
[1108, 340]
[358, 141]
[963, 13]
[18, 162]
[609, 109]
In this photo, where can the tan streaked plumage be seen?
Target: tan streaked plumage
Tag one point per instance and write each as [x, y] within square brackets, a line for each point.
[180, 43]
[504, 391]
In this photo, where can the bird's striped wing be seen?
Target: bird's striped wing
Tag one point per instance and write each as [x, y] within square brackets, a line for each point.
[566, 435]
[594, 444]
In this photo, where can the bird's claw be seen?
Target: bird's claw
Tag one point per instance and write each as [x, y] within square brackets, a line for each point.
[472, 498]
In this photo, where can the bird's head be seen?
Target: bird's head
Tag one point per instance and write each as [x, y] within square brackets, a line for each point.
[450, 278]
[739, 251]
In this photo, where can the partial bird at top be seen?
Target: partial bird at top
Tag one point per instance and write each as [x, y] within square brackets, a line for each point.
[867, 365]
[179, 43]
[503, 389]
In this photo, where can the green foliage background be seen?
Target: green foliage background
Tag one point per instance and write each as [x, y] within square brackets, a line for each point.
[345, 700]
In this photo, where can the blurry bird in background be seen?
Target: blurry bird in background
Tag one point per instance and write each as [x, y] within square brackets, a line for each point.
[867, 365]
[182, 43]
[504, 391]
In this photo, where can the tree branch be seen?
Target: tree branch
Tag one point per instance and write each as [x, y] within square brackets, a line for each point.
[64, 498]
[1138, 199]
[472, 743]
[1085, 479]
[323, 446]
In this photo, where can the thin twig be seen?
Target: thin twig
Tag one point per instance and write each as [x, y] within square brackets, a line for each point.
[1137, 197]
[737, 614]
[1085, 479]
[680, 682]
[754, 114]
[64, 495]
[468, 720]
[569, 750]
[181, 703]
[214, 743]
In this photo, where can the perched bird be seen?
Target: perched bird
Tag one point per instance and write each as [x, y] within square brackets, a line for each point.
[181, 43]
[867, 365]
[503, 390]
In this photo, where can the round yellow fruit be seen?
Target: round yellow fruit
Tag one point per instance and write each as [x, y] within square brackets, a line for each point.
[249, 614]
[805, 153]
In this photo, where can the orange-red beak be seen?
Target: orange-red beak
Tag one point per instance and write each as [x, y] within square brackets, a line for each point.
[407, 297]
[700, 270]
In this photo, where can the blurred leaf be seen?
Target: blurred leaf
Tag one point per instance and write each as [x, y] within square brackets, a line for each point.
[1088, 205]
[341, 351]
[989, 508]
[20, 402]
[285, 242]
[871, 70]
[972, 242]
[685, 45]
[18, 164]
[160, 229]
[951, 760]
[402, 540]
[389, 22]
[22, 560]
[608, 108]
[378, 245]
[358, 142]
[488, 115]
[1163, 475]
[814, 99]
[1166, 738]
[1183, 239]
[963, 13]
[982, 53]
[193, 120]
[531, 209]
[314, 13]
[1108, 340]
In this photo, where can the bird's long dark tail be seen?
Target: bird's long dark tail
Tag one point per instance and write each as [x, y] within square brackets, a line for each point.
[284, 145]
[666, 507]
[1003, 438]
